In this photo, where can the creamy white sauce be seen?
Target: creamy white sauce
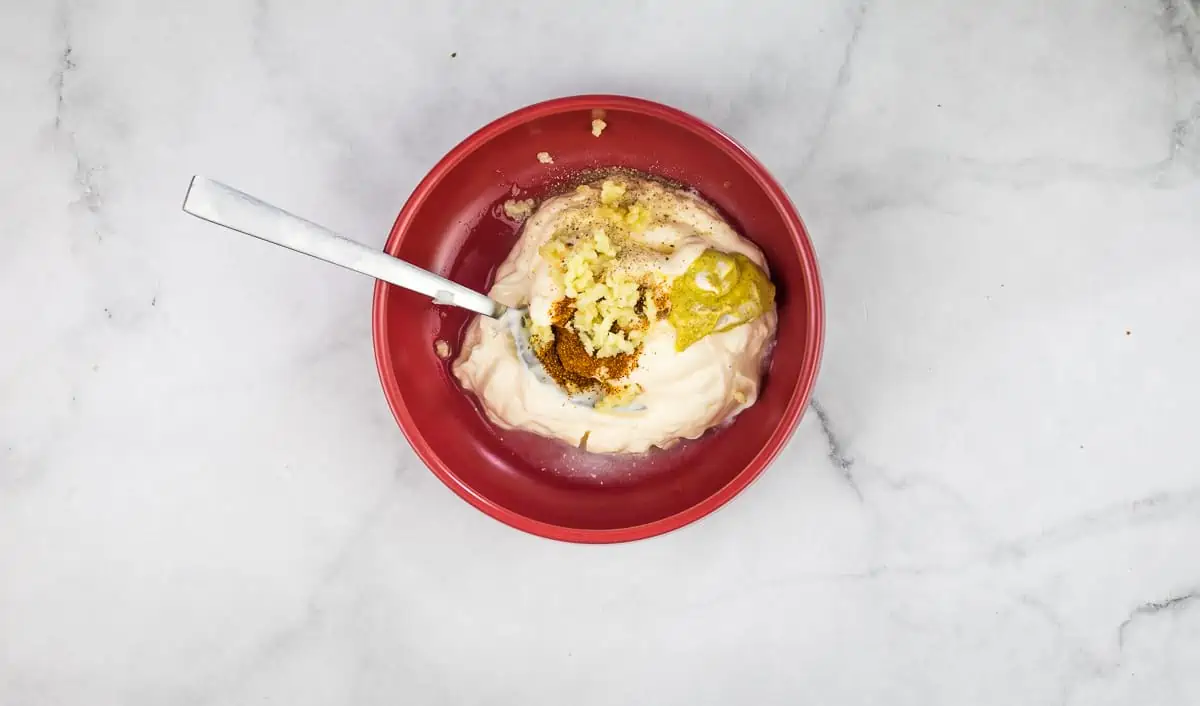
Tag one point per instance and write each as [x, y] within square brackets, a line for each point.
[684, 393]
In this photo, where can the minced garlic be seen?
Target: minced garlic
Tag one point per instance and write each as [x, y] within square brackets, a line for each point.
[611, 192]
[607, 308]
[519, 210]
[605, 298]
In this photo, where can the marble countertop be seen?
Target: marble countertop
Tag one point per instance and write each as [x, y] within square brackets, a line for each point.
[995, 498]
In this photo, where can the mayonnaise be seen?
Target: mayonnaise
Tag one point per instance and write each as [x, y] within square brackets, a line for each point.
[680, 394]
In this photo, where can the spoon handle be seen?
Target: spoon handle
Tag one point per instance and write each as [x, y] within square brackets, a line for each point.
[217, 203]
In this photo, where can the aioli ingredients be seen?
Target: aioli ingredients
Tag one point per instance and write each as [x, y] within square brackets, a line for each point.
[640, 296]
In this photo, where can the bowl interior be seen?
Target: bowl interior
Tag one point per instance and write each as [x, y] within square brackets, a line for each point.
[454, 224]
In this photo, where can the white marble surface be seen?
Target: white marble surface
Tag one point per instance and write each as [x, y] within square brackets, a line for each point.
[204, 499]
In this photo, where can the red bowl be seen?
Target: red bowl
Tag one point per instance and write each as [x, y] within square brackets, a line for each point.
[454, 224]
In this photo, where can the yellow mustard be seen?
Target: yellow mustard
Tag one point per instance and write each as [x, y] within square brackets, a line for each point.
[718, 292]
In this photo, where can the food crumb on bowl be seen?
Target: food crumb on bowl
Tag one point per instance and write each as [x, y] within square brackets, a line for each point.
[518, 209]
[545, 158]
[442, 349]
[598, 126]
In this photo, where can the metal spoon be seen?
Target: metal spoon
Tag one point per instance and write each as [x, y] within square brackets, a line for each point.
[225, 206]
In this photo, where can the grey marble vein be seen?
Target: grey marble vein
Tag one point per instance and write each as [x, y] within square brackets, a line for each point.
[842, 463]
[1181, 24]
[842, 78]
[1172, 604]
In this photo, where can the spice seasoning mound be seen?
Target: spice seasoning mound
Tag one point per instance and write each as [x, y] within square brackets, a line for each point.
[568, 363]
[558, 371]
[561, 312]
[575, 358]
[662, 301]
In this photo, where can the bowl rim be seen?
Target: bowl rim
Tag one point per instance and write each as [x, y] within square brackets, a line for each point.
[800, 394]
